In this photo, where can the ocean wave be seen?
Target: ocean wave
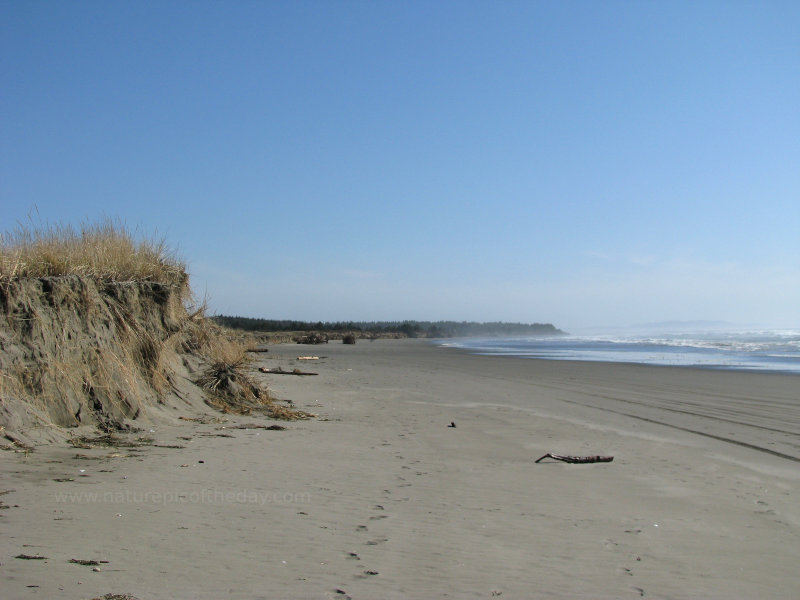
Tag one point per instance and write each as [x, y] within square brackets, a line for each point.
[753, 350]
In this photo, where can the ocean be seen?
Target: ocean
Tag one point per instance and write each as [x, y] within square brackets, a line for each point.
[767, 350]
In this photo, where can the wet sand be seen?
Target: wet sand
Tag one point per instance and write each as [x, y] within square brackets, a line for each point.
[379, 498]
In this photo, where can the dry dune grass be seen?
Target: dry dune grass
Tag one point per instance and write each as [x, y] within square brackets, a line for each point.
[107, 251]
[228, 382]
[93, 323]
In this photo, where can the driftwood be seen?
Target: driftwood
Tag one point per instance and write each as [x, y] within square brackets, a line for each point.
[205, 420]
[280, 371]
[578, 459]
[254, 426]
[87, 563]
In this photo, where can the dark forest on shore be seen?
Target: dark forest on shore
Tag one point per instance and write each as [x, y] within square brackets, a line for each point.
[430, 329]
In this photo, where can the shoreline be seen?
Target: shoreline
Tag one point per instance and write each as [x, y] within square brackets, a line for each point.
[711, 367]
[378, 497]
[734, 369]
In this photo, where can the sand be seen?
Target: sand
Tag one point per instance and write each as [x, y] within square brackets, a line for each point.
[379, 498]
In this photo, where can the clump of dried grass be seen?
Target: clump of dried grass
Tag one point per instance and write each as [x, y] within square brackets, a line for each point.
[229, 385]
[106, 251]
[226, 373]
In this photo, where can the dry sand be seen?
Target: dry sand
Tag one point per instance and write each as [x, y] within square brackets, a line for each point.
[379, 498]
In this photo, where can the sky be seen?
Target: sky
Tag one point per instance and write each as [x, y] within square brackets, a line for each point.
[577, 163]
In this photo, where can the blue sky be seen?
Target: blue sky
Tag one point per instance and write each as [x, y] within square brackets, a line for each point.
[580, 163]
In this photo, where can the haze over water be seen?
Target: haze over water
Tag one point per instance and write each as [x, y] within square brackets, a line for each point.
[758, 350]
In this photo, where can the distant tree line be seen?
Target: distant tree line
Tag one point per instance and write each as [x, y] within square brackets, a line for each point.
[429, 329]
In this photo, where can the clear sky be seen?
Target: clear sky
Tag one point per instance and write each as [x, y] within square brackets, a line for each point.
[580, 163]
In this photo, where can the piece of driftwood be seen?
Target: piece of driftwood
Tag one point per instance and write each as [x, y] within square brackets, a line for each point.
[280, 371]
[204, 419]
[577, 459]
[87, 563]
[254, 426]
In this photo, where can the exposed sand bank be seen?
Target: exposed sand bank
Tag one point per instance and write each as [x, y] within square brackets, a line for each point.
[380, 499]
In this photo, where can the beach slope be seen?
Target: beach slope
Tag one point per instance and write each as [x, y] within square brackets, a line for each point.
[379, 498]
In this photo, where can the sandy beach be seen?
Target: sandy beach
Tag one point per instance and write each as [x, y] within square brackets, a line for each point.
[379, 498]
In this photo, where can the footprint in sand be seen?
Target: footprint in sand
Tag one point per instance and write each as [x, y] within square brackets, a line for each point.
[378, 517]
[365, 574]
[377, 541]
[766, 511]
[373, 542]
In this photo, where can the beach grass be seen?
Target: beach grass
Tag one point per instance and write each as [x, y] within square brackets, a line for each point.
[105, 251]
[96, 317]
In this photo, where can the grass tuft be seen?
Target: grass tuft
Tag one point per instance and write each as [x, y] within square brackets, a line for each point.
[229, 385]
[105, 251]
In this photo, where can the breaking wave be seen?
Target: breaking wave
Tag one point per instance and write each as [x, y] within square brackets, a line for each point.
[767, 350]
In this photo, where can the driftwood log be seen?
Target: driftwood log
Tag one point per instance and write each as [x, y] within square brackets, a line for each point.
[87, 563]
[280, 371]
[578, 459]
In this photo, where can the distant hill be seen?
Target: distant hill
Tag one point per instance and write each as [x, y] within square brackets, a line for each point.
[429, 329]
